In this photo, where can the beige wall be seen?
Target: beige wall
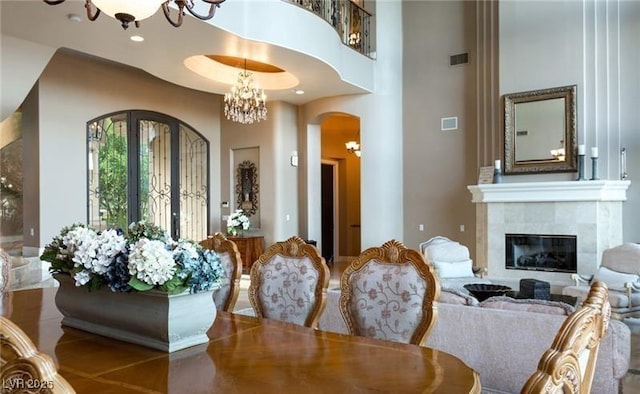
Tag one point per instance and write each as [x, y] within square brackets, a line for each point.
[438, 165]
[276, 138]
[74, 89]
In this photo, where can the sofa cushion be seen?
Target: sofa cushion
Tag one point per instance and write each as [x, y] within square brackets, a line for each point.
[528, 305]
[457, 296]
[457, 269]
[615, 280]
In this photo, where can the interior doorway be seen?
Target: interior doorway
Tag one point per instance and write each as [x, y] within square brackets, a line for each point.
[329, 205]
[339, 196]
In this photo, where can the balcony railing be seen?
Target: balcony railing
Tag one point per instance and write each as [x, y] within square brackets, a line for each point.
[351, 21]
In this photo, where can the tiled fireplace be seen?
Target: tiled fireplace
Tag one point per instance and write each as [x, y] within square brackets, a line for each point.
[590, 211]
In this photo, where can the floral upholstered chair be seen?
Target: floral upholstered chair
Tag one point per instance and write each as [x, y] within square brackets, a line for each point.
[5, 266]
[390, 292]
[225, 298]
[569, 364]
[21, 362]
[289, 283]
[620, 270]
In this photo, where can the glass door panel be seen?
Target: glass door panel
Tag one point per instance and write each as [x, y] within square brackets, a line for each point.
[107, 172]
[154, 160]
[194, 191]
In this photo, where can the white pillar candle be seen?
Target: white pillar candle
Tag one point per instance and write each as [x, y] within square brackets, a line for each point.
[497, 165]
[581, 149]
[594, 151]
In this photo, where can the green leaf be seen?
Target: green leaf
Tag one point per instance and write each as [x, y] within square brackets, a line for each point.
[139, 285]
[174, 285]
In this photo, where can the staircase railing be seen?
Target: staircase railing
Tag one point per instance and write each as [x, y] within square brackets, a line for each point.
[352, 22]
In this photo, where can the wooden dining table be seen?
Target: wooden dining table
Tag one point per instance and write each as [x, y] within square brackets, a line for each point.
[245, 355]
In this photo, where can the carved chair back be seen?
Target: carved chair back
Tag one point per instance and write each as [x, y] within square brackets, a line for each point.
[225, 298]
[569, 364]
[390, 292]
[21, 364]
[289, 283]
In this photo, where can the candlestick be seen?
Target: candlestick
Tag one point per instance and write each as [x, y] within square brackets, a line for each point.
[594, 152]
[594, 167]
[497, 172]
[581, 149]
[581, 167]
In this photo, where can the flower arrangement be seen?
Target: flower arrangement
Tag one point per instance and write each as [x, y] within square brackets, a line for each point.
[237, 222]
[144, 258]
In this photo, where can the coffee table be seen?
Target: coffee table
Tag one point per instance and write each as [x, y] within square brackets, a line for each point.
[573, 301]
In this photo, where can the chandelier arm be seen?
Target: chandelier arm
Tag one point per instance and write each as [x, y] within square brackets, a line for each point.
[167, 12]
[88, 6]
[54, 2]
[212, 10]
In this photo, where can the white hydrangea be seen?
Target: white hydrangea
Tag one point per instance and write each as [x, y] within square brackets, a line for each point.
[81, 243]
[110, 243]
[81, 277]
[151, 262]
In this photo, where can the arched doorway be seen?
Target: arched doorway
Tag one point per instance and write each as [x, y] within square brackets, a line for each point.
[148, 166]
[340, 190]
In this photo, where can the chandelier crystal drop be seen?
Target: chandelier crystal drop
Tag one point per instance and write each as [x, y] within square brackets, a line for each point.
[245, 103]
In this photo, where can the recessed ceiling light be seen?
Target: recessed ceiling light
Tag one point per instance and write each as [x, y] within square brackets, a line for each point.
[74, 18]
[298, 91]
[137, 38]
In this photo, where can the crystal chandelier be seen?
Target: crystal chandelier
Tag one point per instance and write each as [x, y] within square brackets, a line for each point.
[245, 103]
[127, 11]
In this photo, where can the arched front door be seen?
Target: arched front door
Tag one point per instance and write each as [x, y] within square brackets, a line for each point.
[149, 166]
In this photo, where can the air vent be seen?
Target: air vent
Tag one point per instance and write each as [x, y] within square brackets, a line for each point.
[462, 58]
[522, 133]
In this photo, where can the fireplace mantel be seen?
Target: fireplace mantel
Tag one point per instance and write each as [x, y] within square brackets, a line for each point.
[589, 210]
[550, 191]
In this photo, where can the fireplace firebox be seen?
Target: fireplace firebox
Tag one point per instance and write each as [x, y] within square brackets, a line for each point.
[539, 252]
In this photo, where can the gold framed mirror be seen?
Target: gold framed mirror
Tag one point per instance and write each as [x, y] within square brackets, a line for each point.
[540, 131]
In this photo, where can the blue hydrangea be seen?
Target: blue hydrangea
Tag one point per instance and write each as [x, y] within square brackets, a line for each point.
[117, 276]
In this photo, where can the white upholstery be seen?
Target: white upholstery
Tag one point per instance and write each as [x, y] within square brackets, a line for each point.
[614, 279]
[452, 264]
[454, 269]
[620, 270]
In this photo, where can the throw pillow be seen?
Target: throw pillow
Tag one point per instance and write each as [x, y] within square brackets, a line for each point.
[457, 269]
[528, 305]
[615, 280]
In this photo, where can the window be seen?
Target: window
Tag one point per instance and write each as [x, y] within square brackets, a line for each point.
[148, 166]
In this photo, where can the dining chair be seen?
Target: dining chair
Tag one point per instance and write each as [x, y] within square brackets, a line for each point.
[390, 292]
[23, 368]
[289, 283]
[5, 266]
[569, 364]
[226, 296]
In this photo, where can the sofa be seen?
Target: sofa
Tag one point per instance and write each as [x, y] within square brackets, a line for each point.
[502, 345]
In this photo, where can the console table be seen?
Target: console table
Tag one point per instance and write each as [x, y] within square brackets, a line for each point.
[250, 249]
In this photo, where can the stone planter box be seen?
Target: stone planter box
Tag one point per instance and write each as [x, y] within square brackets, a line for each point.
[151, 318]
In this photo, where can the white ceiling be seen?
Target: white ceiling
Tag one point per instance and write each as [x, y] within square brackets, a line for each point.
[165, 47]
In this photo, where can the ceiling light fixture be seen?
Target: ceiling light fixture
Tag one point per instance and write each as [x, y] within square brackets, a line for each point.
[127, 11]
[246, 103]
[353, 146]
